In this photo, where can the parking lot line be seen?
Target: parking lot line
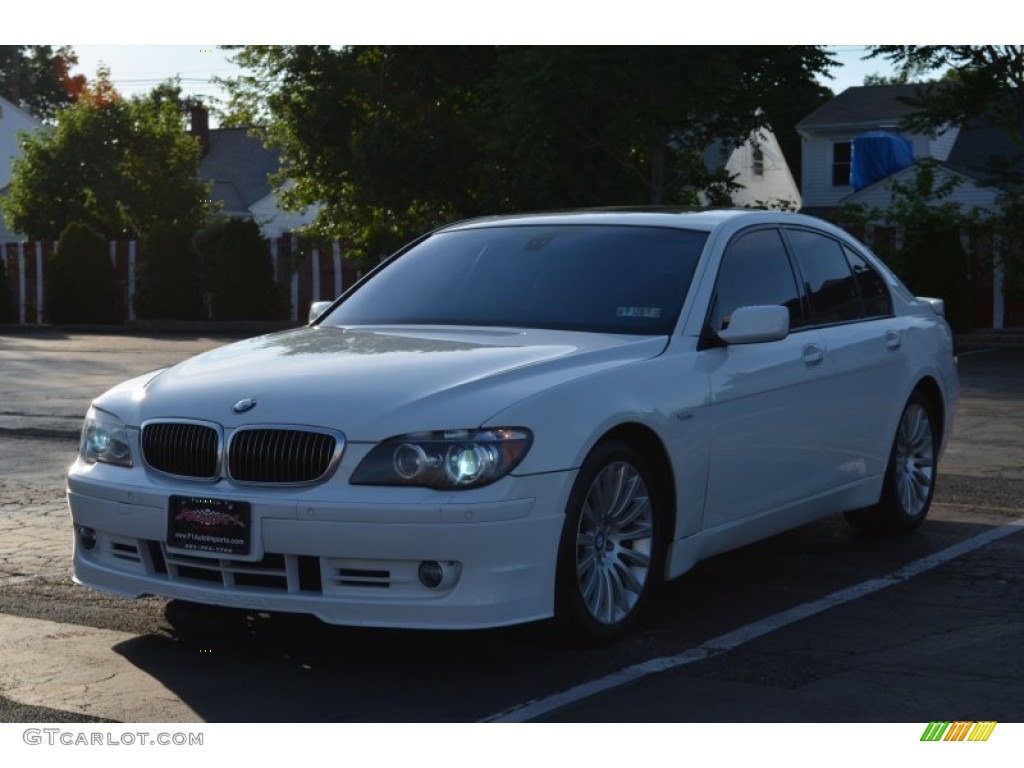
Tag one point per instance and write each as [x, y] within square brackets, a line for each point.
[734, 639]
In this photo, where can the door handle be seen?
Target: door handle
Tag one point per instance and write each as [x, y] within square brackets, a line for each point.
[893, 340]
[813, 354]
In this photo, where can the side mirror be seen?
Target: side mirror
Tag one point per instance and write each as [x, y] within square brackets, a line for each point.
[938, 305]
[317, 308]
[751, 325]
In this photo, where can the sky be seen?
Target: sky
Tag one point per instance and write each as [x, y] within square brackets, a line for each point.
[135, 69]
[145, 45]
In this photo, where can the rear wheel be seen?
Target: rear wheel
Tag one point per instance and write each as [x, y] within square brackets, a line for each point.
[910, 477]
[611, 551]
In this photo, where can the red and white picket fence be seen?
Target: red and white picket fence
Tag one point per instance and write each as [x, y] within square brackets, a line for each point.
[323, 274]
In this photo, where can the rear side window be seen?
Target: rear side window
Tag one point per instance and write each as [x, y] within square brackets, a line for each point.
[755, 271]
[873, 291]
[828, 279]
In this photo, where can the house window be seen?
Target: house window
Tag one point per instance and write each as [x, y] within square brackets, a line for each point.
[757, 155]
[842, 155]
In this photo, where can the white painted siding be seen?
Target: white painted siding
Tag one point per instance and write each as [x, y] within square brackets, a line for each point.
[274, 221]
[818, 191]
[817, 162]
[967, 194]
[774, 185]
[942, 145]
[922, 144]
[12, 121]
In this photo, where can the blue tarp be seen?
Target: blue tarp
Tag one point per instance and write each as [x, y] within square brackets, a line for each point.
[878, 154]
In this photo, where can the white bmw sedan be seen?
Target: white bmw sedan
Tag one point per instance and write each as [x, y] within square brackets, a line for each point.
[521, 418]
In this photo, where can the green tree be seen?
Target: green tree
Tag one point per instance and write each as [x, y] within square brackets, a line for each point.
[928, 256]
[38, 77]
[119, 166]
[630, 125]
[980, 80]
[386, 139]
[236, 270]
[392, 141]
[5, 294]
[168, 286]
[784, 107]
[981, 83]
[80, 280]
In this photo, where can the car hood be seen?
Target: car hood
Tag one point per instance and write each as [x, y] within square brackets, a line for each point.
[373, 383]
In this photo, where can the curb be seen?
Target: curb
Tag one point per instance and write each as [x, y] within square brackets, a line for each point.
[42, 432]
[989, 340]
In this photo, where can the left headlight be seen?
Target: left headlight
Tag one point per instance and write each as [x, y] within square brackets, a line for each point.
[105, 438]
[452, 459]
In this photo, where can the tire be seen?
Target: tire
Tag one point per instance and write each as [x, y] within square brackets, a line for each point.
[910, 476]
[611, 550]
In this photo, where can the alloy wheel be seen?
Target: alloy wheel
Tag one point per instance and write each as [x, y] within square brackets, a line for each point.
[614, 543]
[915, 460]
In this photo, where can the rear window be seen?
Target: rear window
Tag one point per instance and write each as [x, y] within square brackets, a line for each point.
[607, 279]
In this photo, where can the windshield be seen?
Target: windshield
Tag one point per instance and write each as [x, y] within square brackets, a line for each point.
[607, 279]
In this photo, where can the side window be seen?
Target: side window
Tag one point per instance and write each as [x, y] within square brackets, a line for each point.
[873, 290]
[828, 280]
[842, 160]
[755, 271]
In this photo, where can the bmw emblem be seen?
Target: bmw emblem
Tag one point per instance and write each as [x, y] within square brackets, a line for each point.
[244, 405]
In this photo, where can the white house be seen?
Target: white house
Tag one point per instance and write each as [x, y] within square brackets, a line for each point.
[275, 221]
[760, 169]
[827, 139]
[13, 121]
[965, 154]
[240, 169]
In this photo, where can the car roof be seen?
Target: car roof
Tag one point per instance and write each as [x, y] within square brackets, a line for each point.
[706, 219]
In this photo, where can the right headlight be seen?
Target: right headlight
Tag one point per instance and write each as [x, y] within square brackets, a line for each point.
[452, 459]
[105, 439]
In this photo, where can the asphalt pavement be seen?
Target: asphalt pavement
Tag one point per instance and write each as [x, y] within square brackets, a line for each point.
[781, 631]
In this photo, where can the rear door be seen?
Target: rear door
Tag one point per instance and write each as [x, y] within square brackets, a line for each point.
[863, 362]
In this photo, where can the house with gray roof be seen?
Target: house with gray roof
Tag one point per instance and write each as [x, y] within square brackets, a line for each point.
[970, 152]
[827, 136]
[240, 170]
[967, 154]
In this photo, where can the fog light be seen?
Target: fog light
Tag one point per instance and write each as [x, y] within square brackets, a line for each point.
[442, 575]
[431, 574]
[86, 537]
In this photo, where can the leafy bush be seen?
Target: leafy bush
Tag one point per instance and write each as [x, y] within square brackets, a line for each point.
[237, 272]
[168, 276]
[81, 285]
[934, 263]
[927, 254]
[5, 294]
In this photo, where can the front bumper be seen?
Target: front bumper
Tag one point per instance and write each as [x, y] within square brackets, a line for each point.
[353, 562]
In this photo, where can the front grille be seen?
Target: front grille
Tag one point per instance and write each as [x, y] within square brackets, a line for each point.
[269, 455]
[180, 448]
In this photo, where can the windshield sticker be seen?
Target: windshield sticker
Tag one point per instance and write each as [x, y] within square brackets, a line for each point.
[539, 243]
[648, 312]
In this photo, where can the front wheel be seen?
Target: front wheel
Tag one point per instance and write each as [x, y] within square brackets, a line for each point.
[611, 550]
[910, 476]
